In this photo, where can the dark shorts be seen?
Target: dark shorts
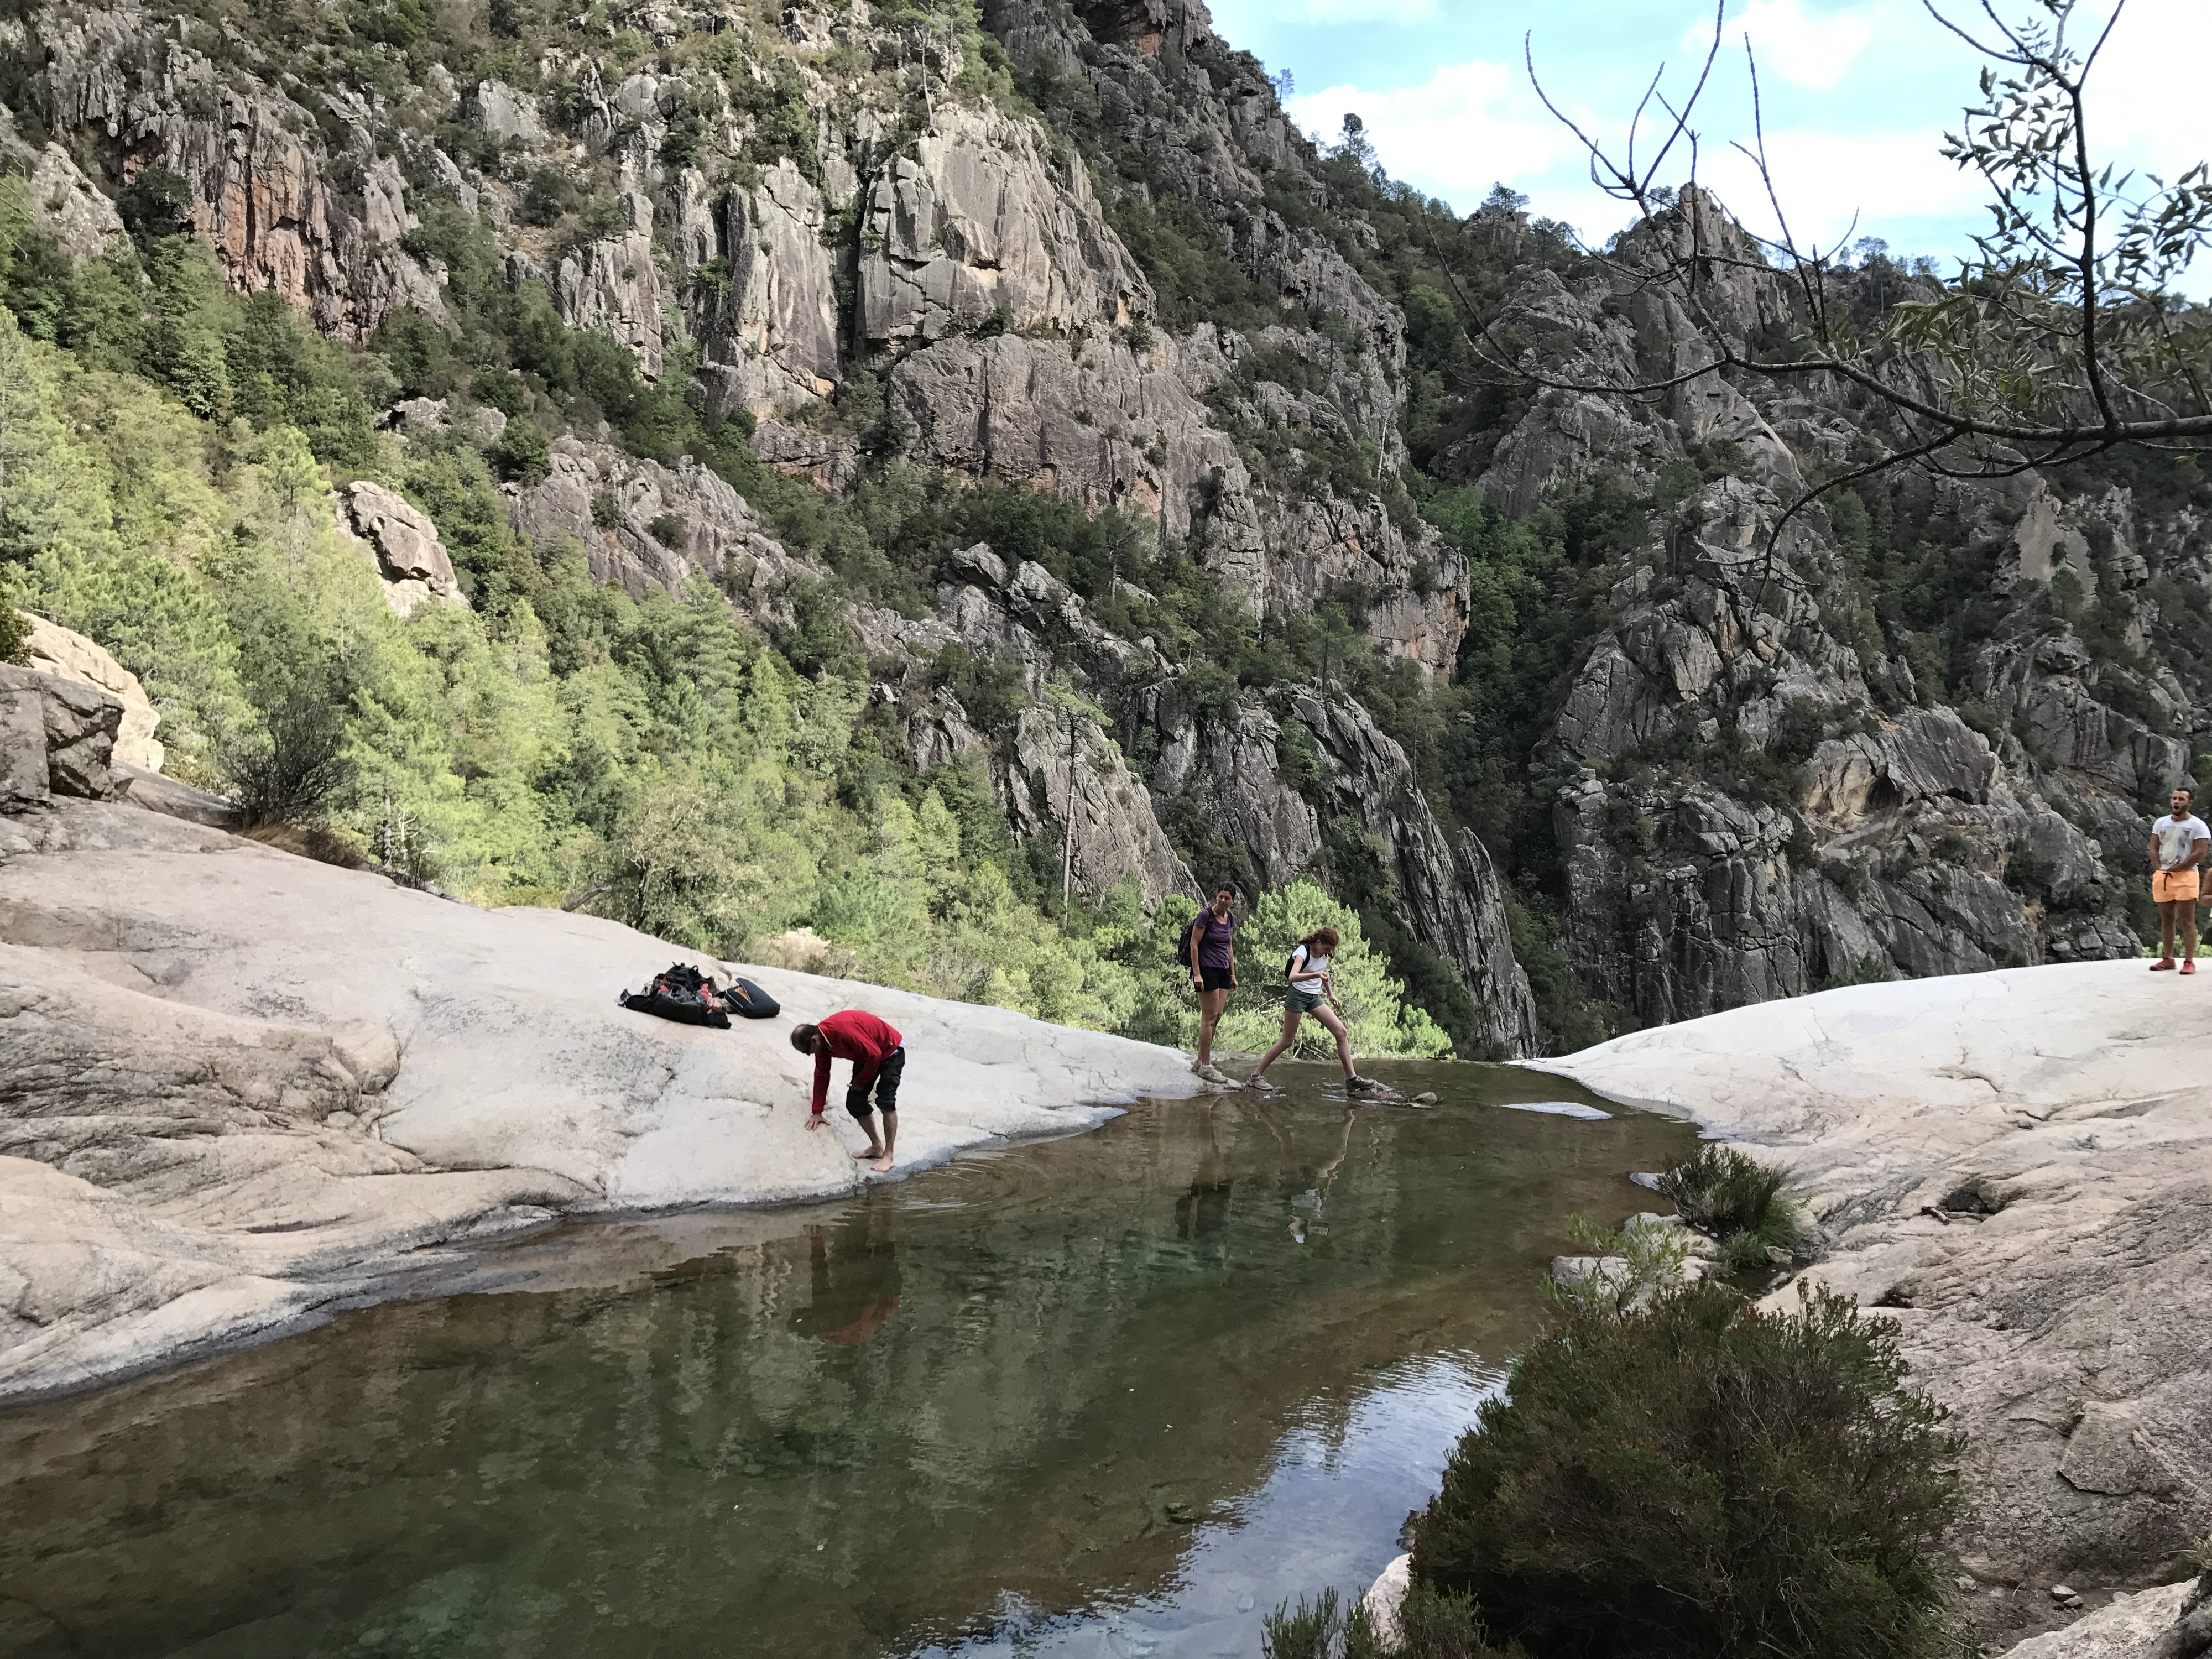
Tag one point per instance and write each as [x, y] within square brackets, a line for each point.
[1214, 979]
[885, 1084]
[1298, 1001]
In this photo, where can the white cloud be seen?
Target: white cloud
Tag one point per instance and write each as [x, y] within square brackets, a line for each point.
[1468, 126]
[1352, 11]
[2146, 94]
[1811, 50]
[1826, 179]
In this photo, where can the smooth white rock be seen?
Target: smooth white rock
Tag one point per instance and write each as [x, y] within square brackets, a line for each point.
[1386, 1596]
[236, 1084]
[2066, 1329]
[2131, 1627]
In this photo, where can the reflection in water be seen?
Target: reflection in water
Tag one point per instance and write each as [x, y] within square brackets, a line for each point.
[855, 1281]
[1027, 1395]
[1328, 1513]
[1205, 1208]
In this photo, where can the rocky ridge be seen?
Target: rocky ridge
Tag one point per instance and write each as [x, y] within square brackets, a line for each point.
[813, 215]
[1907, 841]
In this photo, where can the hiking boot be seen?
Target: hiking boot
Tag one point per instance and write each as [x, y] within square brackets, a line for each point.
[2163, 966]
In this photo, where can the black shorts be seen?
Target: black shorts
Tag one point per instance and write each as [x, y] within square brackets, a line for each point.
[885, 1084]
[1214, 979]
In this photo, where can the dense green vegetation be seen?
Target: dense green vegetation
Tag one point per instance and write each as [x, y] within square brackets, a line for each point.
[1726, 1192]
[1703, 1479]
[1692, 1478]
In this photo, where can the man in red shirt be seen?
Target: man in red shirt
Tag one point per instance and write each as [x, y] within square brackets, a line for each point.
[878, 1057]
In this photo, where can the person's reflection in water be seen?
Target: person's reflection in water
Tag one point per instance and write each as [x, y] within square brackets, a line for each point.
[1205, 1208]
[1303, 1227]
[856, 1280]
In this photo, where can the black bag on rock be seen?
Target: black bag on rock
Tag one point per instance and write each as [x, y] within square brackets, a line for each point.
[684, 994]
[748, 1001]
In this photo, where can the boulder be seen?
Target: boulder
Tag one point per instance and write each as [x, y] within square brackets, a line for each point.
[1385, 1596]
[2150, 1625]
[411, 562]
[58, 736]
[22, 748]
[69, 655]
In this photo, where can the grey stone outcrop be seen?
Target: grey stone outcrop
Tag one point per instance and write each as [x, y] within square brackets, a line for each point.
[975, 223]
[263, 189]
[1889, 836]
[771, 338]
[612, 287]
[411, 562]
[670, 523]
[57, 736]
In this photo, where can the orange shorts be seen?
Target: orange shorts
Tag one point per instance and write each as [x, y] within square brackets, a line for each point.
[2173, 886]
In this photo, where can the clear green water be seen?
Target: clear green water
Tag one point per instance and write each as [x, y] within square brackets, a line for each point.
[1116, 1395]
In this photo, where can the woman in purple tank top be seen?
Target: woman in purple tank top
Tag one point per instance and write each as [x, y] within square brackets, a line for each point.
[1213, 974]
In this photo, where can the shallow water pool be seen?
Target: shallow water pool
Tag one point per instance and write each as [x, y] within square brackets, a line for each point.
[1114, 1395]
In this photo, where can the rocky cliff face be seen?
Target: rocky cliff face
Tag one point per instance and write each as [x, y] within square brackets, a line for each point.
[1748, 780]
[309, 204]
[1893, 837]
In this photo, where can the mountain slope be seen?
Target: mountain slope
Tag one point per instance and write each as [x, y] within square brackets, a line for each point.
[1064, 419]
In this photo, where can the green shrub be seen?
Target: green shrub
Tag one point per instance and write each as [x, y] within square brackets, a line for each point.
[1730, 1195]
[1432, 1624]
[296, 770]
[1703, 1481]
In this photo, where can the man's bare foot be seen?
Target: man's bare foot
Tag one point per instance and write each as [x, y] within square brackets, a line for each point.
[882, 1165]
[867, 1152]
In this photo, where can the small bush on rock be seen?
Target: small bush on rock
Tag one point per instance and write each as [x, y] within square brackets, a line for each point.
[1432, 1624]
[1702, 1480]
[1730, 1195]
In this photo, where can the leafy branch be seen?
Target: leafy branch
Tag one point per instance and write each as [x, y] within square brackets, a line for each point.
[2059, 338]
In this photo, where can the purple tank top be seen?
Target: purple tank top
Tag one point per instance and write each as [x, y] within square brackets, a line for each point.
[1213, 944]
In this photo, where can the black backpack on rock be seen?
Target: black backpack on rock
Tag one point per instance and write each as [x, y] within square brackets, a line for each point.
[748, 1001]
[688, 997]
[682, 995]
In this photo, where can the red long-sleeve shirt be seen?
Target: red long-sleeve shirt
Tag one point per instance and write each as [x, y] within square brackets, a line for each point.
[851, 1034]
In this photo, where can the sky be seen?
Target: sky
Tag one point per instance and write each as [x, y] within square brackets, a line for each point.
[1857, 95]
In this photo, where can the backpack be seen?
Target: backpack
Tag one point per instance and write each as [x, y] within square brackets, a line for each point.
[682, 995]
[1182, 943]
[748, 1001]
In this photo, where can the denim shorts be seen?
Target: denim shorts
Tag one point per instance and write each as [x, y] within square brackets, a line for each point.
[1298, 1002]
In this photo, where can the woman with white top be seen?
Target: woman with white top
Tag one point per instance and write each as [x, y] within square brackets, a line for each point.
[1309, 992]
